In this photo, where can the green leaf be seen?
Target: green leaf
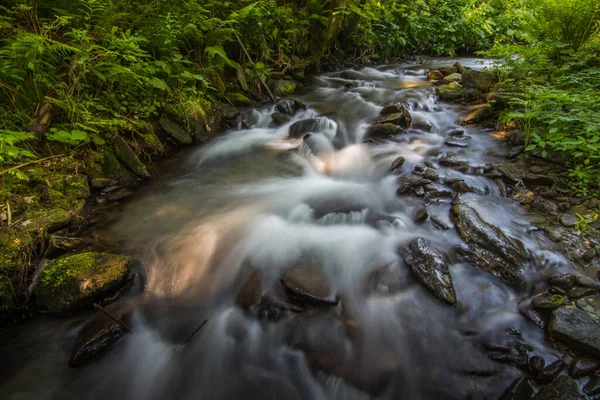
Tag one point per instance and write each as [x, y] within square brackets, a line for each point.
[159, 84]
[531, 147]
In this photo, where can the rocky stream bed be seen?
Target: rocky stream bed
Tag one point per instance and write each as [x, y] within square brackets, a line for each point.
[375, 237]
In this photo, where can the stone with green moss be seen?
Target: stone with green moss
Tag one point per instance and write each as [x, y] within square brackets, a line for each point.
[75, 281]
[129, 159]
[77, 187]
[283, 87]
[175, 130]
[239, 99]
[47, 221]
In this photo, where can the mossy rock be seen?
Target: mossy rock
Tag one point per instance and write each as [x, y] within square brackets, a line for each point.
[175, 130]
[47, 221]
[77, 187]
[283, 87]
[480, 80]
[238, 99]
[129, 159]
[75, 281]
[451, 92]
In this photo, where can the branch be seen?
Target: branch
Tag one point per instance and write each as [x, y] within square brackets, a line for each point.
[193, 333]
[29, 163]
[117, 320]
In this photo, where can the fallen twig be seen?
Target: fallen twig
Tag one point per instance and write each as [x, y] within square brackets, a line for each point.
[117, 320]
[252, 62]
[193, 333]
[29, 163]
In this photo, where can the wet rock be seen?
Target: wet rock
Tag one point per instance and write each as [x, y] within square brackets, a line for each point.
[52, 221]
[431, 174]
[520, 389]
[59, 245]
[421, 124]
[435, 75]
[99, 334]
[455, 77]
[439, 223]
[421, 216]
[586, 281]
[451, 92]
[101, 183]
[278, 119]
[480, 80]
[477, 116]
[545, 206]
[564, 281]
[563, 388]
[501, 187]
[383, 130]
[536, 365]
[592, 387]
[456, 143]
[551, 371]
[289, 107]
[460, 186]
[431, 269]
[453, 161]
[569, 220]
[576, 328]
[408, 182]
[542, 302]
[401, 118]
[302, 127]
[434, 191]
[75, 281]
[579, 292]
[385, 281]
[393, 109]
[523, 196]
[251, 292]
[515, 152]
[282, 87]
[506, 256]
[589, 255]
[175, 131]
[306, 285]
[397, 163]
[583, 366]
[555, 234]
[534, 316]
[129, 159]
[419, 191]
[456, 132]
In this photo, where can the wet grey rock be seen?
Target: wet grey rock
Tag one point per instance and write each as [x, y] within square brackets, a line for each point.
[306, 285]
[460, 186]
[431, 174]
[383, 131]
[569, 220]
[397, 163]
[385, 281]
[302, 127]
[545, 206]
[456, 143]
[562, 388]
[520, 389]
[419, 190]
[439, 223]
[551, 371]
[402, 118]
[555, 234]
[589, 255]
[453, 161]
[514, 152]
[406, 183]
[583, 366]
[534, 316]
[289, 107]
[434, 190]
[99, 334]
[278, 119]
[576, 328]
[586, 281]
[175, 131]
[579, 292]
[494, 252]
[501, 187]
[392, 109]
[536, 365]
[421, 216]
[431, 269]
[455, 132]
[422, 125]
[592, 387]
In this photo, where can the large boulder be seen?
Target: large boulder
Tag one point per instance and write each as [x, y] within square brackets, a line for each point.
[75, 281]
[576, 328]
[282, 87]
[451, 92]
[100, 333]
[383, 130]
[430, 268]
[480, 80]
[491, 250]
[562, 388]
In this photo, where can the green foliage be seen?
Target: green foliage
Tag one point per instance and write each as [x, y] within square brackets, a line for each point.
[10, 153]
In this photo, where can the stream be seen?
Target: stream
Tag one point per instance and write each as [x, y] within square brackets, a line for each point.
[254, 202]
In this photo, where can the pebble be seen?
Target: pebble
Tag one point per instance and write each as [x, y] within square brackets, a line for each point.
[569, 220]
[421, 216]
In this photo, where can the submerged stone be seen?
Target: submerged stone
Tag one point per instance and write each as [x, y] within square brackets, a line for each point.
[75, 281]
[431, 269]
[402, 118]
[306, 285]
[383, 130]
[99, 334]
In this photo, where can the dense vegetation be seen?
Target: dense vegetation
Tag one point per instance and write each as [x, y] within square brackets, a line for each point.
[109, 68]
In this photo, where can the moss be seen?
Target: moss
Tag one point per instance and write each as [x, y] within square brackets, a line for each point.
[239, 99]
[557, 299]
[284, 88]
[15, 252]
[77, 187]
[110, 163]
[74, 281]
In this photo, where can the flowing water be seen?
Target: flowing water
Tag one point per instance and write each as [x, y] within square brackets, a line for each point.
[257, 201]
